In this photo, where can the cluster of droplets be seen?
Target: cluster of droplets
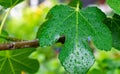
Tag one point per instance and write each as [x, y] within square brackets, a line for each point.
[78, 61]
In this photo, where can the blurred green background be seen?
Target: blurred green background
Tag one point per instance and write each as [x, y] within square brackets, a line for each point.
[23, 23]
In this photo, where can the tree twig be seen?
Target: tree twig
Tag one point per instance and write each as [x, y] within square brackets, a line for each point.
[18, 45]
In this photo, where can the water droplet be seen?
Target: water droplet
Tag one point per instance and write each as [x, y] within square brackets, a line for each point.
[70, 60]
[69, 65]
[75, 61]
[78, 62]
[82, 57]
[77, 53]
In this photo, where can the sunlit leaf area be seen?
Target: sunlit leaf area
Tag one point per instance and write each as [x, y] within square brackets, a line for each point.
[76, 21]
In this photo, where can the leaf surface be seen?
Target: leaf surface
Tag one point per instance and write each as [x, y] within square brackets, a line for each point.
[9, 3]
[114, 25]
[16, 61]
[77, 26]
[115, 5]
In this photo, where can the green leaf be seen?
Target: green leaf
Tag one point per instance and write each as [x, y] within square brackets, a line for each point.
[114, 25]
[77, 26]
[9, 3]
[115, 5]
[16, 61]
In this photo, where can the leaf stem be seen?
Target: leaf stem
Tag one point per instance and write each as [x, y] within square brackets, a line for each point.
[77, 9]
[4, 19]
[24, 44]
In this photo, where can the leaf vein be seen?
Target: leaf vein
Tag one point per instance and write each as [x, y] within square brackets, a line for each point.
[88, 23]
[3, 64]
[20, 63]
[19, 54]
[11, 65]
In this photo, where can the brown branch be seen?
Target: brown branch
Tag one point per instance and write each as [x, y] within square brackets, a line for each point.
[23, 44]
[18, 45]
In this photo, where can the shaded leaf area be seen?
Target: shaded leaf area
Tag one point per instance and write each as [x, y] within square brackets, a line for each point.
[114, 25]
[16, 61]
[115, 5]
[9, 3]
[77, 26]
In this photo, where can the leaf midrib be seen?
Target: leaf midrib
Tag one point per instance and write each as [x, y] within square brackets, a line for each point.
[76, 30]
